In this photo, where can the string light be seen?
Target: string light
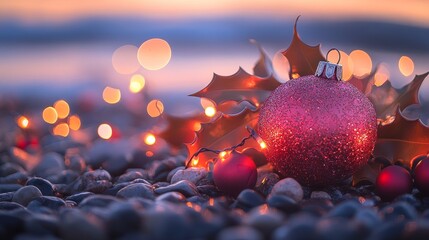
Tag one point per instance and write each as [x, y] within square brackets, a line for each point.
[50, 115]
[137, 83]
[23, 122]
[62, 130]
[155, 108]
[74, 122]
[111, 95]
[149, 139]
[105, 131]
[62, 108]
[210, 111]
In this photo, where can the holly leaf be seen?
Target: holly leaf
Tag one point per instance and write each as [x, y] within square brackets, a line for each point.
[417, 112]
[402, 140]
[181, 130]
[264, 66]
[387, 99]
[303, 59]
[223, 132]
[363, 84]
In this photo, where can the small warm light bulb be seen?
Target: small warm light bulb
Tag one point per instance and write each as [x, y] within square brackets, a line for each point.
[195, 160]
[61, 129]
[23, 122]
[210, 111]
[105, 131]
[150, 139]
[74, 122]
[155, 108]
[137, 83]
[111, 95]
[62, 108]
[262, 144]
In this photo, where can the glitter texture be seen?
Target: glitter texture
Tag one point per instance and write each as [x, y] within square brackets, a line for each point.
[317, 130]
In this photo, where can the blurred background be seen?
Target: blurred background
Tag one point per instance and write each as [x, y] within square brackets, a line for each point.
[99, 49]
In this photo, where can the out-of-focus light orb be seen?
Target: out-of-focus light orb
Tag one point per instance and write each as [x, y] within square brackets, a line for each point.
[382, 75]
[149, 139]
[362, 63]
[74, 122]
[406, 66]
[210, 111]
[62, 130]
[137, 83]
[205, 103]
[197, 126]
[124, 59]
[50, 115]
[111, 95]
[155, 108]
[105, 131]
[23, 122]
[62, 108]
[149, 154]
[154, 54]
[345, 61]
[281, 66]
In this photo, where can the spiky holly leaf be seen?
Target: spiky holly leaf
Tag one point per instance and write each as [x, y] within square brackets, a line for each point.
[181, 130]
[303, 59]
[418, 112]
[363, 84]
[402, 140]
[223, 132]
[264, 66]
[387, 99]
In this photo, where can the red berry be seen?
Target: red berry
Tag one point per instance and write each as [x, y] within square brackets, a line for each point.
[421, 176]
[392, 182]
[234, 172]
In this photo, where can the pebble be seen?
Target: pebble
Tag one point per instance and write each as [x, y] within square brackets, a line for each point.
[283, 203]
[79, 197]
[185, 187]
[399, 211]
[174, 197]
[240, 233]
[129, 176]
[174, 171]
[209, 190]
[122, 219]
[52, 203]
[136, 190]
[97, 201]
[300, 226]
[264, 219]
[96, 181]
[26, 194]
[7, 206]
[8, 168]
[45, 187]
[4, 188]
[289, 187]
[249, 199]
[193, 175]
[337, 229]
[51, 164]
[18, 177]
[10, 225]
[320, 195]
[75, 225]
[40, 224]
[6, 197]
[266, 182]
[346, 209]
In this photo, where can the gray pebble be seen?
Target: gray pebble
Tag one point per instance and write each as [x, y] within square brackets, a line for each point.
[122, 218]
[97, 200]
[26, 194]
[18, 177]
[45, 187]
[75, 225]
[174, 197]
[50, 164]
[265, 219]
[6, 197]
[193, 175]
[320, 195]
[185, 187]
[129, 176]
[240, 233]
[136, 190]
[79, 197]
[52, 203]
[289, 187]
[249, 199]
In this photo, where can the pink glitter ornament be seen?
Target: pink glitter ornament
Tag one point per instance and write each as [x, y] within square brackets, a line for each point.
[318, 129]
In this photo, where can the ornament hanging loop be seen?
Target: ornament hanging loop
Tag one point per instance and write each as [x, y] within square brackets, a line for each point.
[334, 49]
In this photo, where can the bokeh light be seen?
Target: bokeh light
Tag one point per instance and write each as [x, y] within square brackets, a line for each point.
[345, 61]
[155, 108]
[406, 66]
[50, 115]
[137, 83]
[149, 139]
[154, 54]
[74, 122]
[382, 75]
[362, 64]
[62, 108]
[111, 95]
[23, 122]
[61, 129]
[197, 126]
[105, 131]
[124, 59]
[210, 111]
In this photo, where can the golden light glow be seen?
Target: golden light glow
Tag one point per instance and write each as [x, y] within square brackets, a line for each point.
[61, 129]
[210, 111]
[345, 61]
[154, 54]
[74, 122]
[155, 108]
[195, 161]
[137, 83]
[111, 95]
[62, 108]
[197, 126]
[149, 139]
[362, 64]
[149, 154]
[263, 145]
[105, 131]
[124, 59]
[222, 155]
[50, 115]
[382, 75]
[22, 122]
[406, 66]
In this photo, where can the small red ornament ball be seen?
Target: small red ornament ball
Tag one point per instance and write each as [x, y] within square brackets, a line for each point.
[234, 172]
[317, 130]
[392, 182]
[421, 176]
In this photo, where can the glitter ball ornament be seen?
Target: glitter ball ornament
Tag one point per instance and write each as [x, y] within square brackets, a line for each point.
[392, 182]
[318, 129]
[421, 176]
[234, 172]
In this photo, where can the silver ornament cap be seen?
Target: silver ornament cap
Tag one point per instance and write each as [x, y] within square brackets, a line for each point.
[330, 70]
